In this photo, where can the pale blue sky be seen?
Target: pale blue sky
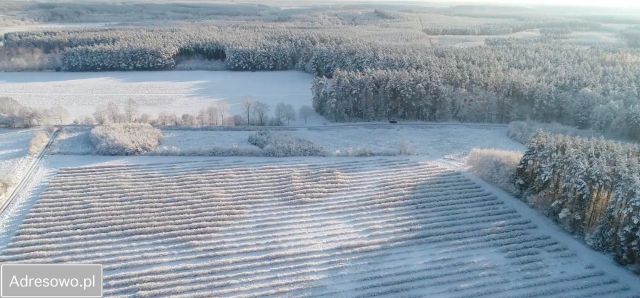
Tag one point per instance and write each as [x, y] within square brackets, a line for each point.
[597, 3]
[603, 3]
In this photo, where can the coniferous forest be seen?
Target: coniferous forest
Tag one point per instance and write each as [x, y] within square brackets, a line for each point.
[590, 186]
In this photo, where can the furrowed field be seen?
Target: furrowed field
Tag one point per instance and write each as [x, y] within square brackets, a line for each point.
[297, 227]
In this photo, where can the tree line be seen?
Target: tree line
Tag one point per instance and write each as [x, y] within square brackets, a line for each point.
[513, 27]
[507, 80]
[15, 115]
[255, 113]
[590, 186]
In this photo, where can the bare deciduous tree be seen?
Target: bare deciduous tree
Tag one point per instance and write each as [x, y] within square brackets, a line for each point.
[188, 119]
[247, 103]
[144, 118]
[260, 109]
[223, 109]
[131, 110]
[285, 112]
[290, 114]
[279, 112]
[57, 115]
[113, 112]
[101, 115]
[212, 115]
[9, 106]
[202, 117]
[166, 118]
[305, 112]
[88, 121]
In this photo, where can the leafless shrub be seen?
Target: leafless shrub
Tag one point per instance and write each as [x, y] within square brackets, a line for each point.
[495, 166]
[38, 142]
[125, 138]
[405, 148]
[280, 145]
[4, 186]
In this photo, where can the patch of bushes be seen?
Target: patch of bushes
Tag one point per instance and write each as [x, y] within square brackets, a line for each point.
[495, 166]
[4, 186]
[15, 115]
[281, 145]
[38, 142]
[359, 152]
[215, 151]
[125, 138]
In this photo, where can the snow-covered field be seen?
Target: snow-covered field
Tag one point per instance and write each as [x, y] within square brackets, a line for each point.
[432, 141]
[171, 91]
[20, 26]
[211, 227]
[14, 154]
[321, 226]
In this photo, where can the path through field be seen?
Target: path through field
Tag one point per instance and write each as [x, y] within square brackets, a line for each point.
[334, 227]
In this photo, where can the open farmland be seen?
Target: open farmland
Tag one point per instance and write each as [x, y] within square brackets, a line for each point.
[14, 157]
[14, 152]
[168, 91]
[298, 227]
[429, 140]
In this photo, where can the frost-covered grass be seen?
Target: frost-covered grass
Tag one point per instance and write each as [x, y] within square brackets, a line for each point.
[523, 131]
[281, 144]
[432, 141]
[296, 227]
[38, 142]
[14, 155]
[169, 91]
[125, 138]
[73, 140]
[495, 166]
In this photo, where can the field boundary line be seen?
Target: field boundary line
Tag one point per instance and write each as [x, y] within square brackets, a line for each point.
[29, 174]
[332, 126]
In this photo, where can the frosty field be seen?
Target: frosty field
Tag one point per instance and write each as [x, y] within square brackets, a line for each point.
[186, 226]
[431, 141]
[14, 149]
[171, 91]
[249, 227]
[14, 154]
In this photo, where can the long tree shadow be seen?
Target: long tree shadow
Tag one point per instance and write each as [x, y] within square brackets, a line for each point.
[443, 235]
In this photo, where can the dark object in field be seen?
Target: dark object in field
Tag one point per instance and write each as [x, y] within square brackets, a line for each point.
[393, 121]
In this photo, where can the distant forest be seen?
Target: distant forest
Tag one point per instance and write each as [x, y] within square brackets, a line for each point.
[382, 63]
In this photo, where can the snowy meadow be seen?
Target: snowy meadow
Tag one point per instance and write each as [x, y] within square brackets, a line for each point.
[155, 92]
[428, 141]
[14, 156]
